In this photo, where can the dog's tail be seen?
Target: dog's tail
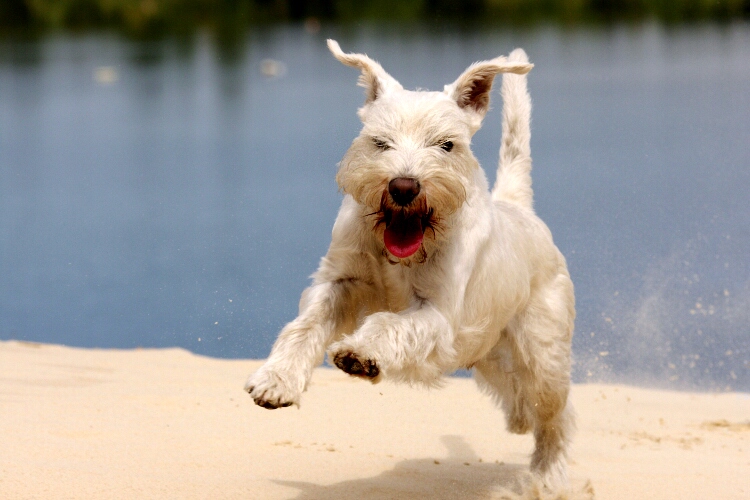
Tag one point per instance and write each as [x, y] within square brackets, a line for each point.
[513, 182]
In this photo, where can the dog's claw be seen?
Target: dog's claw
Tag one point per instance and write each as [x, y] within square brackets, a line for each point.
[269, 405]
[352, 365]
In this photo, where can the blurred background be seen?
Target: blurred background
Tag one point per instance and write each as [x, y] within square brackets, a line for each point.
[167, 166]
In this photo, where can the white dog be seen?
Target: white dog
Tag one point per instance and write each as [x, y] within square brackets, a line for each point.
[428, 271]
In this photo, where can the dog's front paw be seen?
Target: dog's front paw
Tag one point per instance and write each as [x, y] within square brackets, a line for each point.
[356, 365]
[270, 390]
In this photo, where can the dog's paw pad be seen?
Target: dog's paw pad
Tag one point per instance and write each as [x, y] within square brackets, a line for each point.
[353, 365]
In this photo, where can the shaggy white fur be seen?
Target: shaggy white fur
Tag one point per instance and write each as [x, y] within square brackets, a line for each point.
[429, 271]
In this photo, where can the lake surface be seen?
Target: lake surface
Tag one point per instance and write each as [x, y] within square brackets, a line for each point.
[180, 192]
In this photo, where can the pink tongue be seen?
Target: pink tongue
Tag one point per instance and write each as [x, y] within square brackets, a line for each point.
[404, 235]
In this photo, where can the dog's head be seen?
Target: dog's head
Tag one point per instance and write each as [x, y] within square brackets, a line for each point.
[412, 165]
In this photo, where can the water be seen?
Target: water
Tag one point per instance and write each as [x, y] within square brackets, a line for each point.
[167, 193]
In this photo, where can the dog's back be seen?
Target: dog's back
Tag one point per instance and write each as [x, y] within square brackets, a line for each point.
[513, 182]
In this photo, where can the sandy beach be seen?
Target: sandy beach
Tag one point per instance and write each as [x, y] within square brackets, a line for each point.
[164, 423]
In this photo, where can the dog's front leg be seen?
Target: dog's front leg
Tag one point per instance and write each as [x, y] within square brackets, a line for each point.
[415, 345]
[325, 308]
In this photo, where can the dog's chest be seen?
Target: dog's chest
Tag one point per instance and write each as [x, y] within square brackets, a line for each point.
[405, 286]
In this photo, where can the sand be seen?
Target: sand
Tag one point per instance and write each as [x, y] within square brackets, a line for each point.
[164, 423]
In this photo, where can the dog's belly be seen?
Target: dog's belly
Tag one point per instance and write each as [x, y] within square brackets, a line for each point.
[490, 303]
[478, 337]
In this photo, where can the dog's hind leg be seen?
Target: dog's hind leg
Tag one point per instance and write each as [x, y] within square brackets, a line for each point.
[496, 376]
[528, 373]
[541, 335]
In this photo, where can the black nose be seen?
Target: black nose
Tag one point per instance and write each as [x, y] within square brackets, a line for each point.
[403, 190]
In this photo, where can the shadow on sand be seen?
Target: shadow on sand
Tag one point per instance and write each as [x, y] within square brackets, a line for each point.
[460, 475]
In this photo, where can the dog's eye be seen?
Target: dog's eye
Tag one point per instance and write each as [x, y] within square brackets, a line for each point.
[380, 144]
[446, 146]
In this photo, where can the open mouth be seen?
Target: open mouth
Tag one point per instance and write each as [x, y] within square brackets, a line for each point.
[404, 233]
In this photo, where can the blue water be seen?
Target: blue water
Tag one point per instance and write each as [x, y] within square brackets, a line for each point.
[167, 193]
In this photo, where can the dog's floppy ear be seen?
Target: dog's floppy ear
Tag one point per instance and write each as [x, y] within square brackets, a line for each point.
[471, 90]
[374, 78]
